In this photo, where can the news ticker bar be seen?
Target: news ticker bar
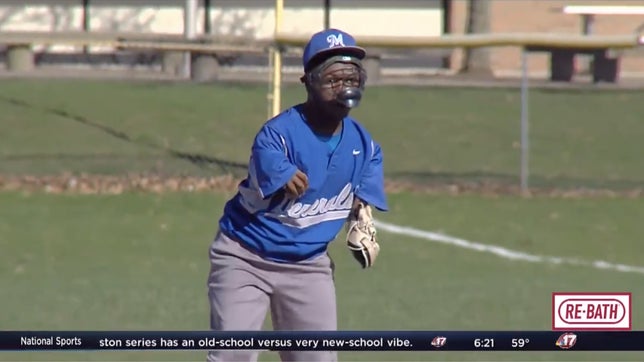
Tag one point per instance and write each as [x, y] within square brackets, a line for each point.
[323, 340]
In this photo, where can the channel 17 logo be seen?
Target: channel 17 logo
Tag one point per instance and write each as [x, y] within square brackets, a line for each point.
[439, 341]
[566, 340]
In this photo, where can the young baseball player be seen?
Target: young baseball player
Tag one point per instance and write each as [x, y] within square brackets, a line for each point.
[313, 169]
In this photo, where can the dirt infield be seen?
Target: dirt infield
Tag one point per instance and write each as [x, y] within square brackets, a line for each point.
[114, 185]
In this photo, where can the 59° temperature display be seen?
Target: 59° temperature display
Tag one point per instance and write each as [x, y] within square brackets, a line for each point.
[520, 342]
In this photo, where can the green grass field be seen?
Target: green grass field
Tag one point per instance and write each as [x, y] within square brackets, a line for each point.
[589, 139]
[138, 261]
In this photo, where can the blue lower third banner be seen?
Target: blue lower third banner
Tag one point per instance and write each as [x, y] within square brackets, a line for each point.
[323, 340]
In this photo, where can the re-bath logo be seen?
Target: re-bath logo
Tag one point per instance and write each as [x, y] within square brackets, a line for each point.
[591, 311]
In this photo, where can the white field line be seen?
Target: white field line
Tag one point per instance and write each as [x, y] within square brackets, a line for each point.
[501, 251]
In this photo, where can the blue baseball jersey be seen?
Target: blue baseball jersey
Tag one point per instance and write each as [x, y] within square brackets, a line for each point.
[263, 219]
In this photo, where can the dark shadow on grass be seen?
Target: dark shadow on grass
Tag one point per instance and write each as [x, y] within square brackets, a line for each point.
[200, 160]
[505, 179]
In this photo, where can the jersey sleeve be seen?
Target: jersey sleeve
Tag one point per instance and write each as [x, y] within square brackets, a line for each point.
[372, 183]
[269, 162]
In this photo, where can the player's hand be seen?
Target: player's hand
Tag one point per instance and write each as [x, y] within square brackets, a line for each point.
[297, 185]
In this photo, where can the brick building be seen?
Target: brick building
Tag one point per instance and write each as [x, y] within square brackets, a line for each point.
[546, 16]
[255, 18]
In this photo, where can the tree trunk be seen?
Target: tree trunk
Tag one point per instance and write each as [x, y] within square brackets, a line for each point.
[477, 60]
[207, 22]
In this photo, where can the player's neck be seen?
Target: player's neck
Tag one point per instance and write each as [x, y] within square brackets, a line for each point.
[320, 122]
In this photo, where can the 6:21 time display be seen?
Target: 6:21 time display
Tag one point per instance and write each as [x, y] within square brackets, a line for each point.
[484, 343]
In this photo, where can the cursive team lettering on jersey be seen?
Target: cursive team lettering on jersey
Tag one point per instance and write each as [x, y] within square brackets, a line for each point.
[342, 201]
[298, 214]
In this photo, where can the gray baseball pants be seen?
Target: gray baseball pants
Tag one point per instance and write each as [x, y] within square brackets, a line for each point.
[242, 286]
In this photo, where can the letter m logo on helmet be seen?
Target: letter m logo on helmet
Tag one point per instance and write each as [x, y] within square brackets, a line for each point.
[335, 40]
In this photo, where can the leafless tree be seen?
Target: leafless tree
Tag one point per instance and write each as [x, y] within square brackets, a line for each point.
[477, 60]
